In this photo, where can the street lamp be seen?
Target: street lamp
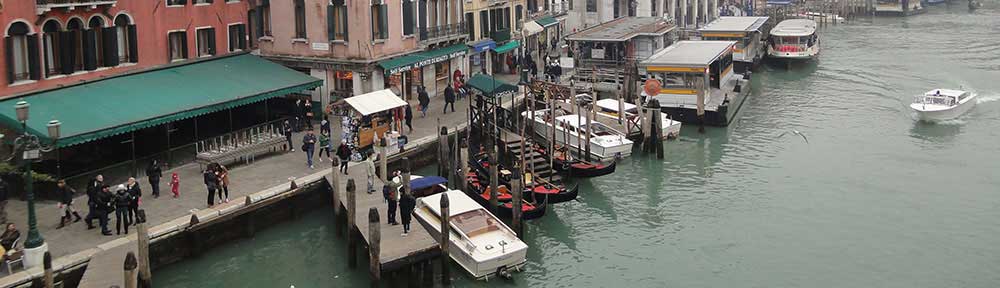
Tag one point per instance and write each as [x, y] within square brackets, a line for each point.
[30, 148]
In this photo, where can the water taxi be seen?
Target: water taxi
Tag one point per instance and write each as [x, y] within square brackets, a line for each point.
[898, 7]
[942, 104]
[749, 34]
[794, 39]
[606, 143]
[607, 113]
[697, 77]
[482, 244]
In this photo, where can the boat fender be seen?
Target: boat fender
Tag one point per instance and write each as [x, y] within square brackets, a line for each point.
[504, 272]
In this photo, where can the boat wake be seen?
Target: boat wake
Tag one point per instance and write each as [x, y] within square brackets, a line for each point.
[988, 98]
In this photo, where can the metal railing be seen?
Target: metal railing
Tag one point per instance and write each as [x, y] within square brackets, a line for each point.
[457, 29]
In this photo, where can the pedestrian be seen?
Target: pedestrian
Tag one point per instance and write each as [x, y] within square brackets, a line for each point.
[175, 184]
[287, 129]
[154, 173]
[123, 203]
[135, 193]
[307, 113]
[324, 145]
[406, 205]
[105, 205]
[309, 146]
[392, 201]
[425, 101]
[66, 210]
[344, 153]
[370, 171]
[449, 99]
[93, 200]
[408, 116]
[299, 107]
[223, 174]
[211, 183]
[3, 201]
[324, 126]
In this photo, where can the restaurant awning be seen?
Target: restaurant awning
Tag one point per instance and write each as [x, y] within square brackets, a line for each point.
[421, 59]
[375, 102]
[547, 21]
[490, 86]
[482, 45]
[507, 47]
[116, 105]
[532, 28]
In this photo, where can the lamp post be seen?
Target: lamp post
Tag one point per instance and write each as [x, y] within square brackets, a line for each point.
[30, 148]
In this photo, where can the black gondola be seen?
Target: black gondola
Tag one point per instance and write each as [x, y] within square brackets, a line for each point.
[479, 192]
[553, 192]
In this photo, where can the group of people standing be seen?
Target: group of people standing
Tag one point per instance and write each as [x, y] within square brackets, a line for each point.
[124, 202]
[216, 177]
[405, 203]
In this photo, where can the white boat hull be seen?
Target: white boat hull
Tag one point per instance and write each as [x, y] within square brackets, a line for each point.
[806, 54]
[598, 152]
[925, 114]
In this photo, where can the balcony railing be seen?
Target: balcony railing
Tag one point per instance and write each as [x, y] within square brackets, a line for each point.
[443, 31]
[43, 6]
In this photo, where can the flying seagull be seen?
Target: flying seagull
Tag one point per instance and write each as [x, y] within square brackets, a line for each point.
[796, 132]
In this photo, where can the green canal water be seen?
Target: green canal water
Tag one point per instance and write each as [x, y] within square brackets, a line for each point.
[874, 199]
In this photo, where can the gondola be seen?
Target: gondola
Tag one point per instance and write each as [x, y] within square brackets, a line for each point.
[553, 192]
[480, 192]
[579, 168]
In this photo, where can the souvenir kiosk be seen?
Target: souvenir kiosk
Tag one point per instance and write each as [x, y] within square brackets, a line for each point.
[376, 114]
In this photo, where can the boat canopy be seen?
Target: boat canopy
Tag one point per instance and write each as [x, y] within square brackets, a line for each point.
[794, 28]
[612, 105]
[425, 182]
[945, 92]
[733, 24]
[688, 54]
[375, 102]
[458, 202]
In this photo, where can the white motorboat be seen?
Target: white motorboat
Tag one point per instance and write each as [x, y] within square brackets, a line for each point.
[609, 108]
[942, 104]
[794, 39]
[482, 244]
[606, 144]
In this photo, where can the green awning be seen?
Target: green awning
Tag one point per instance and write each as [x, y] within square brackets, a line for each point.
[421, 59]
[547, 21]
[116, 105]
[507, 47]
[490, 86]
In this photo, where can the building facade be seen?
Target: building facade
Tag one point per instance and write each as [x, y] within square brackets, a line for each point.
[53, 43]
[349, 44]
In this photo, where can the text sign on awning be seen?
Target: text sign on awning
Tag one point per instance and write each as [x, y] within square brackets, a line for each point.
[426, 62]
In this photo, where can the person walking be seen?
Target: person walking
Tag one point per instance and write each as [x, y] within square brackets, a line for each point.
[175, 184]
[93, 199]
[154, 173]
[66, 204]
[309, 146]
[449, 99]
[392, 201]
[105, 205]
[370, 171]
[123, 206]
[344, 153]
[408, 117]
[324, 126]
[135, 193]
[223, 174]
[287, 129]
[425, 101]
[324, 145]
[307, 113]
[406, 205]
[211, 183]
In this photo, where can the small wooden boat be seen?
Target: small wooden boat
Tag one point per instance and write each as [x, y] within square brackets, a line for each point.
[577, 167]
[554, 192]
[480, 192]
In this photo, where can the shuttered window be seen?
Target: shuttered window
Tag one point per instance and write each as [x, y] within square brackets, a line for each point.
[380, 22]
[178, 45]
[336, 21]
[300, 19]
[51, 43]
[408, 17]
[206, 41]
[237, 37]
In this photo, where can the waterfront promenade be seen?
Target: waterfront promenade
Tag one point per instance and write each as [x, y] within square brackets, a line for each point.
[266, 172]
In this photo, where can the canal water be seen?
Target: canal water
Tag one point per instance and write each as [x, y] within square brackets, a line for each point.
[872, 199]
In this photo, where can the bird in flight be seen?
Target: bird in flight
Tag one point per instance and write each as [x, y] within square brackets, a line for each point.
[796, 132]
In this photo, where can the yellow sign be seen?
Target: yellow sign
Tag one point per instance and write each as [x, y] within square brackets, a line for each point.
[679, 91]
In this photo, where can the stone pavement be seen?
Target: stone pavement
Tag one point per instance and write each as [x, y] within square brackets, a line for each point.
[267, 172]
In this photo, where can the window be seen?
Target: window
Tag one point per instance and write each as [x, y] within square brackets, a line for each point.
[127, 41]
[380, 21]
[517, 17]
[93, 44]
[300, 19]
[408, 17]
[51, 44]
[591, 5]
[178, 45]
[176, 2]
[74, 46]
[22, 53]
[196, 2]
[264, 19]
[470, 25]
[237, 37]
[205, 41]
[336, 21]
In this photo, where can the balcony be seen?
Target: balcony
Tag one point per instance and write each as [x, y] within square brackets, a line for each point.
[501, 35]
[443, 32]
[43, 6]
